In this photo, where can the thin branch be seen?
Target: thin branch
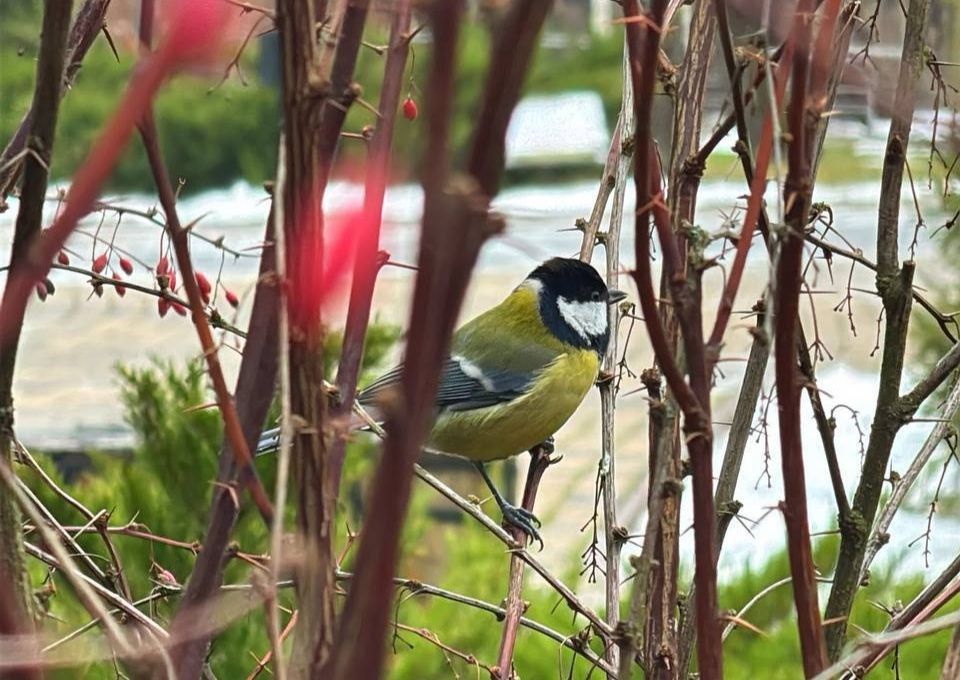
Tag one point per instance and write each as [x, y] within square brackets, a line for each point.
[540, 460]
[879, 536]
[233, 430]
[894, 283]
[366, 261]
[38, 138]
[86, 27]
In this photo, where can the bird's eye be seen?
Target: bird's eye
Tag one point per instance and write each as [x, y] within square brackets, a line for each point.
[595, 296]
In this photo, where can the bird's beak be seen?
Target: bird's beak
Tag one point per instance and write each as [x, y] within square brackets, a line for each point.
[614, 296]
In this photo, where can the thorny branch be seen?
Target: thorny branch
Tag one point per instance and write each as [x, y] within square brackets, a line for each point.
[38, 133]
[894, 283]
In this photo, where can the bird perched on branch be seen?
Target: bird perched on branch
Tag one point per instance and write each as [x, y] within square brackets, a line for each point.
[515, 373]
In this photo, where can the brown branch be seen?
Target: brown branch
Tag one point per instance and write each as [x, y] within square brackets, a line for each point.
[233, 430]
[445, 262]
[798, 190]
[907, 623]
[608, 181]
[878, 533]
[685, 173]
[613, 532]
[951, 662]
[540, 460]
[359, 647]
[509, 59]
[758, 179]
[315, 103]
[576, 605]
[253, 393]
[693, 398]
[416, 588]
[366, 260]
[662, 489]
[87, 591]
[262, 663]
[86, 27]
[944, 320]
[237, 435]
[894, 283]
[39, 144]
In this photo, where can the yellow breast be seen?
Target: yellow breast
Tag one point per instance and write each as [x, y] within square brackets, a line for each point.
[508, 429]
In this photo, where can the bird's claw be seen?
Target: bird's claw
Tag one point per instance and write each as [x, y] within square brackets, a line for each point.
[524, 520]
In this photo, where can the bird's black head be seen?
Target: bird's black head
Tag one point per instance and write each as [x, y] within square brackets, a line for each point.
[574, 302]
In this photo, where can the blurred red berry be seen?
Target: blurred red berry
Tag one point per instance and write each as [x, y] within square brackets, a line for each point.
[409, 108]
[163, 306]
[163, 266]
[231, 298]
[204, 285]
[166, 577]
[179, 309]
[99, 263]
[126, 265]
[172, 280]
[63, 259]
[120, 288]
[41, 291]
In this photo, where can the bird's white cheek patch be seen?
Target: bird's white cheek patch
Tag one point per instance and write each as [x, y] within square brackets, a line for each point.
[588, 318]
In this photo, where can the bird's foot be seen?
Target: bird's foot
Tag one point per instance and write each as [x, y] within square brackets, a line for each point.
[524, 520]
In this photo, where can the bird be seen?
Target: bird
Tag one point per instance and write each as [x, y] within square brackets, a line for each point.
[515, 373]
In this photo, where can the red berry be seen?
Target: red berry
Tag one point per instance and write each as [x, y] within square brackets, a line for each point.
[120, 288]
[172, 280]
[99, 263]
[179, 309]
[409, 108]
[126, 265]
[163, 266]
[204, 285]
[163, 306]
[41, 291]
[166, 577]
[231, 298]
[63, 259]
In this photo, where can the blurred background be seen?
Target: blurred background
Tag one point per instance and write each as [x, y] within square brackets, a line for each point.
[219, 132]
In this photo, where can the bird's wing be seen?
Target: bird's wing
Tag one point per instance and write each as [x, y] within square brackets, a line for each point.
[479, 375]
[464, 385]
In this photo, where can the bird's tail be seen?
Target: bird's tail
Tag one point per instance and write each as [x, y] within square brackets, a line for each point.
[270, 439]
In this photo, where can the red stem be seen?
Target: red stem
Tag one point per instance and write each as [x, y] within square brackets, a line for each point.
[643, 40]
[787, 301]
[233, 431]
[539, 462]
[366, 265]
[754, 202]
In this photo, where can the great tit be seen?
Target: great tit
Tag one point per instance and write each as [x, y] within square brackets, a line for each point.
[517, 372]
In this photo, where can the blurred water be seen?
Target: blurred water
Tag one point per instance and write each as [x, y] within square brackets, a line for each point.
[540, 221]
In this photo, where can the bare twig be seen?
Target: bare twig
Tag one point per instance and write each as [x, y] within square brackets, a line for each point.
[84, 589]
[233, 430]
[807, 84]
[540, 460]
[86, 27]
[894, 283]
[878, 535]
[40, 129]
[366, 260]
